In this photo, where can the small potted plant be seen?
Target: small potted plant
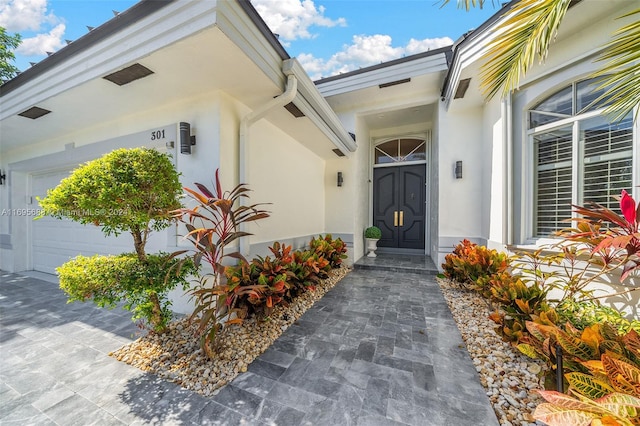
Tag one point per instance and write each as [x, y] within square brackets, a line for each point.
[372, 234]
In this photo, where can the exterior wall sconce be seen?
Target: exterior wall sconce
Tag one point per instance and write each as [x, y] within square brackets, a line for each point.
[458, 169]
[186, 140]
[340, 179]
[3, 177]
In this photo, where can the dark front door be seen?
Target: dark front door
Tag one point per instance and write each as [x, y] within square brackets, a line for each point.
[399, 205]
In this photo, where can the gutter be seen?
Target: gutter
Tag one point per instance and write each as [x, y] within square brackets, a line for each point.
[243, 158]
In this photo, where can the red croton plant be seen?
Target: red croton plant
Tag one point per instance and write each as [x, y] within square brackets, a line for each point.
[613, 239]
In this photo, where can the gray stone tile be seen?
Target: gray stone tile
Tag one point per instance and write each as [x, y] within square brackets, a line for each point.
[266, 369]
[368, 419]
[347, 377]
[25, 415]
[294, 374]
[215, 414]
[289, 417]
[375, 402]
[325, 388]
[392, 362]
[245, 403]
[343, 358]
[385, 345]
[366, 351]
[276, 357]
[66, 412]
[401, 411]
[254, 383]
[423, 376]
[268, 411]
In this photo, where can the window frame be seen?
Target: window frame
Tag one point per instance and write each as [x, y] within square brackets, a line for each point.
[577, 161]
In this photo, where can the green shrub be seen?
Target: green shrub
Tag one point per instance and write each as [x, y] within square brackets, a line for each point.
[583, 314]
[373, 232]
[126, 190]
[142, 286]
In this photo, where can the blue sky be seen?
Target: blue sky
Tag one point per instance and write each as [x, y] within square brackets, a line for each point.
[327, 36]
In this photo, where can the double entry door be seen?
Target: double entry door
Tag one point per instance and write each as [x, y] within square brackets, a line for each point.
[399, 205]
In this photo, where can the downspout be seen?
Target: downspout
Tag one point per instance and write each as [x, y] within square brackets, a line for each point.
[243, 155]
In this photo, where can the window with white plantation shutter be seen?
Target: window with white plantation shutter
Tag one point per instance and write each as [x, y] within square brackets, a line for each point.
[603, 155]
[608, 153]
[553, 180]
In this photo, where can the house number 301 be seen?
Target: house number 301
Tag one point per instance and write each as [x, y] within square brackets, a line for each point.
[157, 134]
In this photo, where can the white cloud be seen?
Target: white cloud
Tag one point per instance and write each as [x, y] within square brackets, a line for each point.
[291, 19]
[42, 43]
[365, 51]
[416, 46]
[25, 15]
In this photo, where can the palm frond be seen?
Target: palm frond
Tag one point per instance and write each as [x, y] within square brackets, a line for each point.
[524, 35]
[466, 4]
[621, 72]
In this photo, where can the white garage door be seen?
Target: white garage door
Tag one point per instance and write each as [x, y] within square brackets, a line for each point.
[55, 241]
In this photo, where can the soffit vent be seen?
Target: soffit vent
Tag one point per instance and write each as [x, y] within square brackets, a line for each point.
[34, 112]
[394, 83]
[294, 110]
[337, 152]
[462, 88]
[128, 74]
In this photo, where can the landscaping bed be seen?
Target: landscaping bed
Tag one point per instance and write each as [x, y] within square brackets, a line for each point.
[176, 355]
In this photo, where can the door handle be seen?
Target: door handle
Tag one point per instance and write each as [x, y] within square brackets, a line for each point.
[395, 218]
[401, 218]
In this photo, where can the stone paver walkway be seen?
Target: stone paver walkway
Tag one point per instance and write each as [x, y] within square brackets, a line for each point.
[381, 348]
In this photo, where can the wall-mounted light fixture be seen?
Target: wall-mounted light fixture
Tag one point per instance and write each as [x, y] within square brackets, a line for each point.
[459, 169]
[3, 177]
[186, 140]
[340, 179]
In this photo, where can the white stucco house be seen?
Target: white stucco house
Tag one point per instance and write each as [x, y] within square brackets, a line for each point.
[421, 153]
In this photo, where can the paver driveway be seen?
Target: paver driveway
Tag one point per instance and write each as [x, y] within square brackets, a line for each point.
[381, 348]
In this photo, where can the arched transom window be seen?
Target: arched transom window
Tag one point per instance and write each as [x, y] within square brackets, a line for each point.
[580, 155]
[400, 150]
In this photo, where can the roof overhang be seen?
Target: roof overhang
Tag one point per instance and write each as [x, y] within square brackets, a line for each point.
[387, 74]
[192, 48]
[395, 94]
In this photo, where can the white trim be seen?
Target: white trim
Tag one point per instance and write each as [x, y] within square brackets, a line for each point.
[413, 68]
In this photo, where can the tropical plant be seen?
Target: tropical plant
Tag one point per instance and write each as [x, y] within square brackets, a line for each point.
[614, 409]
[519, 303]
[582, 349]
[143, 286]
[612, 239]
[607, 393]
[582, 314]
[213, 224]
[373, 232]
[8, 43]
[330, 249]
[525, 34]
[126, 190]
[469, 262]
